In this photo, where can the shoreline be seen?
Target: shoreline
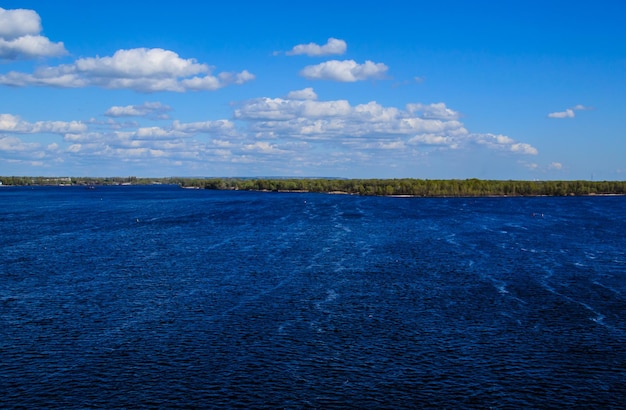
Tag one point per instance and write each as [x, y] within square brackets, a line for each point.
[393, 188]
[304, 191]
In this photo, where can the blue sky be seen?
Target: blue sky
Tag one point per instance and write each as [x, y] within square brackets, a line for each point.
[480, 89]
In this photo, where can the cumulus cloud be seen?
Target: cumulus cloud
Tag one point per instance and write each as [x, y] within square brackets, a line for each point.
[280, 133]
[144, 144]
[523, 148]
[434, 139]
[371, 124]
[152, 133]
[434, 111]
[271, 109]
[16, 144]
[18, 23]
[332, 47]
[213, 83]
[149, 140]
[13, 123]
[344, 71]
[570, 112]
[556, 165]
[169, 138]
[222, 127]
[263, 147]
[139, 69]
[503, 142]
[147, 109]
[305, 94]
[140, 63]
[16, 151]
[20, 36]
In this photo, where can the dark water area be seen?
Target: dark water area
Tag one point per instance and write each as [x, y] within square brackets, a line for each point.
[160, 297]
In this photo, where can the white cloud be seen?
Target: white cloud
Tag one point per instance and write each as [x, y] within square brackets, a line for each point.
[222, 127]
[74, 148]
[147, 109]
[263, 148]
[332, 47]
[344, 71]
[505, 143]
[305, 94]
[434, 139]
[283, 109]
[12, 123]
[435, 111]
[370, 124]
[392, 145]
[556, 165]
[150, 142]
[211, 83]
[20, 39]
[523, 148]
[16, 144]
[14, 150]
[237, 78]
[200, 83]
[139, 69]
[85, 136]
[222, 143]
[140, 63]
[30, 47]
[157, 133]
[569, 113]
[176, 132]
[57, 127]
[18, 23]
[268, 133]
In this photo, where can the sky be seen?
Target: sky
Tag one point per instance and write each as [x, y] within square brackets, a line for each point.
[530, 90]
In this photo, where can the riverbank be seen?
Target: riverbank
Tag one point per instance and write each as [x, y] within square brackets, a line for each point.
[406, 187]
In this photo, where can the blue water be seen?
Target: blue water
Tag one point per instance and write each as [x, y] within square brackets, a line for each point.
[144, 297]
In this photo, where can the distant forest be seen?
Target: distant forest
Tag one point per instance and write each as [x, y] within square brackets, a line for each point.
[372, 187]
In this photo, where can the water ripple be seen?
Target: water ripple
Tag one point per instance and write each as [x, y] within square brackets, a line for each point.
[257, 300]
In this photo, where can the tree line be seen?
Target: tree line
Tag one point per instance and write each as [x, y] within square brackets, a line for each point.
[131, 180]
[419, 187]
[406, 186]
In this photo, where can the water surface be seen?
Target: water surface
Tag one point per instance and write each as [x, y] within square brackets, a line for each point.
[163, 297]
